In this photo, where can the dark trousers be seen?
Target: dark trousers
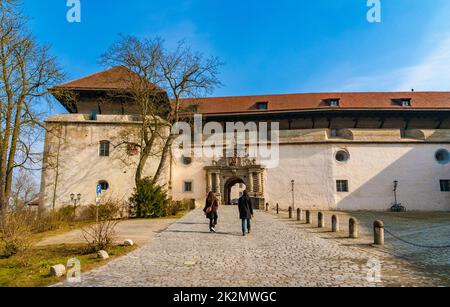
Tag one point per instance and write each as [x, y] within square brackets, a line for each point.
[213, 220]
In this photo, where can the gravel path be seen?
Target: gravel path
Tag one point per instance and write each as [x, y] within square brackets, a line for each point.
[279, 252]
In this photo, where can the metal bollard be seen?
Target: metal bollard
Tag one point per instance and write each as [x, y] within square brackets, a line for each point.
[335, 223]
[290, 212]
[278, 209]
[321, 220]
[353, 228]
[308, 217]
[267, 207]
[378, 233]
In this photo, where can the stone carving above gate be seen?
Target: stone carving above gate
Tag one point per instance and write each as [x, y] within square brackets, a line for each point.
[235, 162]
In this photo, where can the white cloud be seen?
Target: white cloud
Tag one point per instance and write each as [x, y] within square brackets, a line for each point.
[432, 73]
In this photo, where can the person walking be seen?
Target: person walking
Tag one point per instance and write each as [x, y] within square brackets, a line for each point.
[245, 212]
[211, 210]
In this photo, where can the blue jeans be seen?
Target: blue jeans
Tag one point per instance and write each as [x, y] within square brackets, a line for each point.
[213, 219]
[249, 224]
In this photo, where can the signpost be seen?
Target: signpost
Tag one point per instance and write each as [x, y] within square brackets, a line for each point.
[97, 200]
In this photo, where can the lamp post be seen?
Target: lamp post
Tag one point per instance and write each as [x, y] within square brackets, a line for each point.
[395, 192]
[293, 195]
[75, 200]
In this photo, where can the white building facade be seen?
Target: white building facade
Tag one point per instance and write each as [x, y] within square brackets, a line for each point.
[337, 151]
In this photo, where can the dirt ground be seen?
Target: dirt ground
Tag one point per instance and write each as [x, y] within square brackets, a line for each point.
[140, 231]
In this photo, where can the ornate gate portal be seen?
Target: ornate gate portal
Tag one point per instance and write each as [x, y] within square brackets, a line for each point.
[227, 172]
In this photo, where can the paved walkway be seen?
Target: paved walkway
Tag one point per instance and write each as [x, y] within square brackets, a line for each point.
[278, 253]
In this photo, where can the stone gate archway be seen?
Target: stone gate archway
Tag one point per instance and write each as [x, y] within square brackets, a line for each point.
[229, 184]
[226, 172]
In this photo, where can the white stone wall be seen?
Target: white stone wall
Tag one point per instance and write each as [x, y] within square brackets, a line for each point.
[371, 172]
[311, 168]
[373, 168]
[195, 173]
[80, 166]
[377, 158]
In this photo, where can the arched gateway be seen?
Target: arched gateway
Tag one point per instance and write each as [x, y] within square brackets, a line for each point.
[222, 175]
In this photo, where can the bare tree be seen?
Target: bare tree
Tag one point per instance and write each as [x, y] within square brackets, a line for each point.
[26, 71]
[154, 73]
[24, 188]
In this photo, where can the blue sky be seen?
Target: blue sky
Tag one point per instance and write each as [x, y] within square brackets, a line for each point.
[269, 47]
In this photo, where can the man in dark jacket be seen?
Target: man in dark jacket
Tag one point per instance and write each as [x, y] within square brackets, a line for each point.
[245, 212]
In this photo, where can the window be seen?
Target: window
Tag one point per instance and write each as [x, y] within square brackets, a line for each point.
[333, 133]
[333, 102]
[262, 106]
[445, 185]
[104, 184]
[187, 188]
[404, 102]
[342, 156]
[104, 149]
[342, 186]
[186, 160]
[193, 109]
[93, 115]
[442, 156]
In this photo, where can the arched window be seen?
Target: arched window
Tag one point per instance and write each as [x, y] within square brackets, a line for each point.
[104, 148]
[104, 184]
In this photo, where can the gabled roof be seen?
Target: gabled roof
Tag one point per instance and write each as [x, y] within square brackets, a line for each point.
[118, 77]
[320, 101]
[99, 84]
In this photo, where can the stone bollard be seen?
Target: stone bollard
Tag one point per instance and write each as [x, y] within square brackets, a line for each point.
[308, 217]
[278, 209]
[378, 233]
[290, 212]
[335, 223]
[353, 228]
[299, 215]
[321, 220]
[128, 243]
[103, 255]
[58, 270]
[267, 207]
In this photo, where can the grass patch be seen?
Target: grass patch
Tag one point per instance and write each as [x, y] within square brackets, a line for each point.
[32, 269]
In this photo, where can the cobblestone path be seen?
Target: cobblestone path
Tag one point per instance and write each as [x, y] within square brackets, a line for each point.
[277, 253]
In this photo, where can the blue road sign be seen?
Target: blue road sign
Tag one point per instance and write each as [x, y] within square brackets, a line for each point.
[99, 189]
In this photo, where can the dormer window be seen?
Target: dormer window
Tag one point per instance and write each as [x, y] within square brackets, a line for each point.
[406, 103]
[193, 109]
[262, 106]
[333, 102]
[403, 102]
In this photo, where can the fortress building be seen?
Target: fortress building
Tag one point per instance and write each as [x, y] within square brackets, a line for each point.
[340, 151]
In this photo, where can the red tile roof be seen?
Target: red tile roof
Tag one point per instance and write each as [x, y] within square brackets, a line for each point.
[114, 78]
[318, 101]
[119, 78]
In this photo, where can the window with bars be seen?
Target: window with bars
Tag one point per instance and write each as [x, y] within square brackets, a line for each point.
[188, 187]
[342, 186]
[445, 185]
[104, 148]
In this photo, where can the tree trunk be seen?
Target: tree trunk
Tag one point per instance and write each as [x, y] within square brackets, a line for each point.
[164, 156]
